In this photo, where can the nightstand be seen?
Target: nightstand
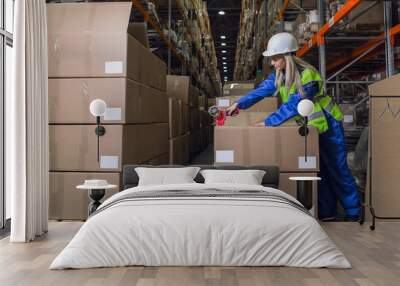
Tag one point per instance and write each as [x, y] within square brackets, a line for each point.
[96, 191]
[304, 190]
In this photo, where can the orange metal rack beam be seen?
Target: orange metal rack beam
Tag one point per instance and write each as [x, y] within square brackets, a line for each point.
[282, 11]
[147, 18]
[365, 47]
[318, 37]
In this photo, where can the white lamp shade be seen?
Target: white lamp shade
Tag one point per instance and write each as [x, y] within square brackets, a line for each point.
[305, 107]
[98, 107]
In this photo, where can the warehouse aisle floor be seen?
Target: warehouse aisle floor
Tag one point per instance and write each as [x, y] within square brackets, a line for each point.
[375, 257]
[204, 158]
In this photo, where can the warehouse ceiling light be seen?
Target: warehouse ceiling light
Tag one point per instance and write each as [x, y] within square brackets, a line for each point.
[223, 51]
[223, 44]
[224, 63]
[224, 58]
[221, 12]
[223, 37]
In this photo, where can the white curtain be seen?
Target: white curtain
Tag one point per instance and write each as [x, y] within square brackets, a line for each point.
[27, 124]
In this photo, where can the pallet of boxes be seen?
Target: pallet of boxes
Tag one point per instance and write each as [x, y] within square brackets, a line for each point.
[190, 123]
[93, 54]
[179, 137]
[239, 142]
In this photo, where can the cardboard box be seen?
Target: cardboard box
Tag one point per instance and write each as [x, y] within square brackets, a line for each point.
[232, 89]
[127, 101]
[74, 147]
[373, 18]
[203, 102]
[194, 95]
[175, 118]
[68, 203]
[387, 87]
[349, 115]
[185, 119]
[211, 102]
[92, 40]
[238, 85]
[269, 104]
[178, 87]
[251, 118]
[195, 142]
[177, 150]
[246, 119]
[384, 148]
[139, 31]
[281, 146]
[194, 117]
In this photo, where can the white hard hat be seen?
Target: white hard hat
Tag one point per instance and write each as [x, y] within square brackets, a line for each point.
[281, 43]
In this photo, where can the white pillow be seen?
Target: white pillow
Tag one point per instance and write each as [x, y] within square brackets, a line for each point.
[248, 177]
[166, 176]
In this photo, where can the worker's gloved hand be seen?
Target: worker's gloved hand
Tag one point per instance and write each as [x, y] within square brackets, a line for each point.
[232, 110]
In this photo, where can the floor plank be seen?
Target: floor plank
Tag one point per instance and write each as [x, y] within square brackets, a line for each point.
[375, 257]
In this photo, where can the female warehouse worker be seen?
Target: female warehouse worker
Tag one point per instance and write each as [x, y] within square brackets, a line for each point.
[295, 80]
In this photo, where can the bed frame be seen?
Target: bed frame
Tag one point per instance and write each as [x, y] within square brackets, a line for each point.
[130, 178]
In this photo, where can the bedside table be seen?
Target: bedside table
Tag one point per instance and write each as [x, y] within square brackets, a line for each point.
[96, 191]
[304, 190]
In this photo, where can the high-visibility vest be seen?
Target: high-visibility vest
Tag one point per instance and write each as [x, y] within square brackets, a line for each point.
[322, 102]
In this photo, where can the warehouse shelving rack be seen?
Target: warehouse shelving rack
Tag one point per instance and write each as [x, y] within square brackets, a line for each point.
[335, 69]
[173, 51]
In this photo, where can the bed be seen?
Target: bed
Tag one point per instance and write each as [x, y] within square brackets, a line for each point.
[198, 224]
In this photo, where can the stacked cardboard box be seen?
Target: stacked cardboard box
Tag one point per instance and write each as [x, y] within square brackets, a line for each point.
[279, 146]
[179, 98]
[373, 19]
[384, 148]
[93, 55]
[196, 122]
[255, 114]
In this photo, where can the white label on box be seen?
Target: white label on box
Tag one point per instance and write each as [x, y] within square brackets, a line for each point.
[311, 162]
[109, 162]
[112, 113]
[226, 91]
[348, 118]
[114, 67]
[224, 103]
[224, 156]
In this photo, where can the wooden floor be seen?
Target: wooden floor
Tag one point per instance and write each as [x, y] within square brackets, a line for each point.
[375, 257]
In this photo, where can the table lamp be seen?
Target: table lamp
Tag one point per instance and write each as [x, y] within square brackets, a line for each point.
[98, 108]
[305, 108]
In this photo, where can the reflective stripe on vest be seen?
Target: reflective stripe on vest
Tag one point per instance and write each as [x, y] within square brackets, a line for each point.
[330, 105]
[315, 115]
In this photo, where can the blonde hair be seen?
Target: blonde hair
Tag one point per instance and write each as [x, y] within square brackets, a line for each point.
[292, 73]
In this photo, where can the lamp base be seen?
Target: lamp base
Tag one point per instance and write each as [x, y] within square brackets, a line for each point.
[303, 130]
[100, 131]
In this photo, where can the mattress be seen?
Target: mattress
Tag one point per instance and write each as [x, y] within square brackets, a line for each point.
[201, 225]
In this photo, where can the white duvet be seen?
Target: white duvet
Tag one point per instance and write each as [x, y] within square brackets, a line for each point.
[202, 232]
